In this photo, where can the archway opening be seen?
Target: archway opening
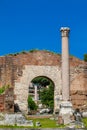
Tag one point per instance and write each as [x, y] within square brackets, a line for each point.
[41, 96]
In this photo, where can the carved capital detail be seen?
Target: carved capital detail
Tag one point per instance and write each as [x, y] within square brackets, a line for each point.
[65, 31]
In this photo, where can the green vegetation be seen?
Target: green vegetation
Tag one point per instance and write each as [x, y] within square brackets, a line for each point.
[85, 122]
[85, 57]
[3, 88]
[51, 52]
[31, 104]
[15, 54]
[46, 92]
[47, 96]
[34, 50]
[45, 123]
[22, 52]
[41, 81]
[12, 54]
[31, 51]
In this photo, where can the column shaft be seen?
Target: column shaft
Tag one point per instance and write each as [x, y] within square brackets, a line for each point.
[65, 69]
[65, 65]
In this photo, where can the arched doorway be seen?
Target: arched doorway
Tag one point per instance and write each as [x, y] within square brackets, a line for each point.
[41, 95]
[29, 73]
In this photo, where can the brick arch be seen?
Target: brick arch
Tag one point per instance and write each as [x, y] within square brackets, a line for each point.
[29, 73]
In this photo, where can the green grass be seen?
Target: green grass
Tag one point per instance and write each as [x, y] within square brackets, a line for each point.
[45, 123]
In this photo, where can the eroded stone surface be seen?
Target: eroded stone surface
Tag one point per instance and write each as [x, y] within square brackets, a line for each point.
[15, 119]
[13, 71]
[29, 73]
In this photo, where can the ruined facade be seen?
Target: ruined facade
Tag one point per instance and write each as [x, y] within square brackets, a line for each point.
[19, 70]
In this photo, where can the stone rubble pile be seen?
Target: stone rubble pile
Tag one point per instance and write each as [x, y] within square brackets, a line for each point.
[15, 119]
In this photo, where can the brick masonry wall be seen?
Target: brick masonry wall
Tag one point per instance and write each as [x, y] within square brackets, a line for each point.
[2, 108]
[7, 101]
[12, 68]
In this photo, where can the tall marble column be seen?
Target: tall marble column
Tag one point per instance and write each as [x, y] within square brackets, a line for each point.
[65, 64]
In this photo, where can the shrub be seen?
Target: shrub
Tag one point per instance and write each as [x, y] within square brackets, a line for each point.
[85, 57]
[31, 104]
[3, 88]
[33, 50]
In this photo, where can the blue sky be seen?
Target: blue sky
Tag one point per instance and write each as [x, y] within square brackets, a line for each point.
[35, 24]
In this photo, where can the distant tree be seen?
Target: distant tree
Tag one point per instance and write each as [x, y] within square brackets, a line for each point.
[42, 81]
[47, 96]
[31, 104]
[85, 57]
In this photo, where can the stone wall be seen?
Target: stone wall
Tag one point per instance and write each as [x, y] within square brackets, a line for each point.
[2, 103]
[79, 88]
[17, 70]
[29, 73]
[11, 66]
[7, 101]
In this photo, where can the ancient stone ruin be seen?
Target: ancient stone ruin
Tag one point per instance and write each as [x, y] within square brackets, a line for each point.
[18, 70]
[67, 73]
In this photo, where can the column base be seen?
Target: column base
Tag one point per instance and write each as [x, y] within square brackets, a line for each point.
[66, 111]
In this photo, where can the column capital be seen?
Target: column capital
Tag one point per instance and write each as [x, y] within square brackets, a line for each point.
[65, 31]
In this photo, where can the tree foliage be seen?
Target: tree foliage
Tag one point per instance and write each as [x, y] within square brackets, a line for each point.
[47, 96]
[42, 81]
[85, 57]
[31, 104]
